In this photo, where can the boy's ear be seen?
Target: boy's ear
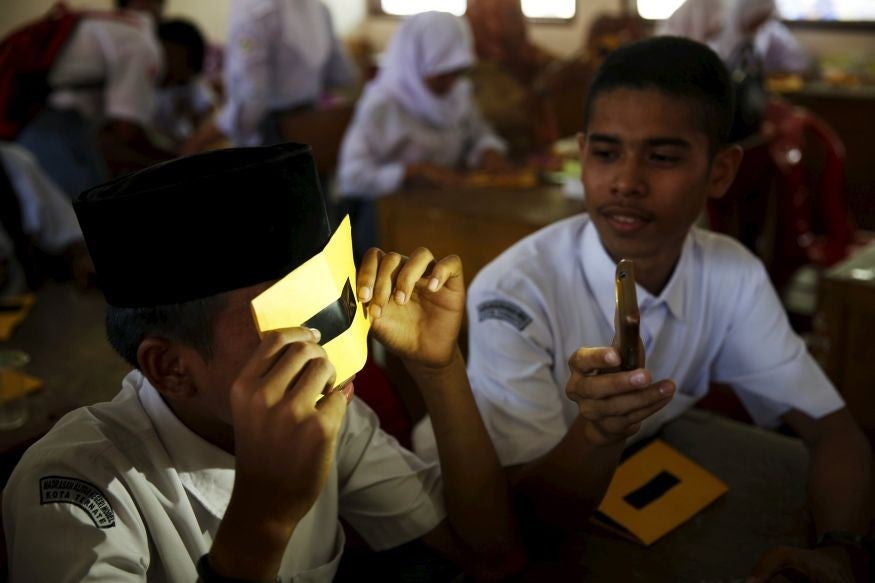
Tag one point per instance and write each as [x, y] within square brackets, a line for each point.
[581, 143]
[724, 167]
[168, 367]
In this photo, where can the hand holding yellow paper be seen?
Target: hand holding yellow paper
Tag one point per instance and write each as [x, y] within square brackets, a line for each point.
[321, 294]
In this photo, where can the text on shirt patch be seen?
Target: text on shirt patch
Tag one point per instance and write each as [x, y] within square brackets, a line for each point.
[61, 490]
[505, 311]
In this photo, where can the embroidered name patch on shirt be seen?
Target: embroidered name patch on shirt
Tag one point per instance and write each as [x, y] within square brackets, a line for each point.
[503, 310]
[60, 490]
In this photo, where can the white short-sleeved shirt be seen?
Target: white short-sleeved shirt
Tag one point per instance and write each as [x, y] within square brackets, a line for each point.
[272, 64]
[46, 213]
[384, 138]
[717, 320]
[123, 491]
[119, 50]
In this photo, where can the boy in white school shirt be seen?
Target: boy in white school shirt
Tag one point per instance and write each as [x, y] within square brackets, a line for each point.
[541, 316]
[39, 234]
[213, 461]
[103, 88]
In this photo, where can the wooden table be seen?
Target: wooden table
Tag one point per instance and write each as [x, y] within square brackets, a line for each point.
[475, 223]
[65, 338]
[764, 507]
[847, 303]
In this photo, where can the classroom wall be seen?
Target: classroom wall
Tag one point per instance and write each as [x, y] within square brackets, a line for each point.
[351, 19]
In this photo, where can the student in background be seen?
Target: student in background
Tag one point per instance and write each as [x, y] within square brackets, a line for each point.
[541, 317]
[755, 24]
[185, 99]
[417, 122]
[102, 100]
[281, 57]
[699, 20]
[38, 228]
[155, 8]
[509, 76]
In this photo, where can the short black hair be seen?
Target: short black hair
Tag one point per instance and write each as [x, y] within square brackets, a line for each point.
[186, 34]
[123, 4]
[675, 66]
[190, 323]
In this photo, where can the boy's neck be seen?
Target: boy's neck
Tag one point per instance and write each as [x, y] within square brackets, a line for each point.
[210, 429]
[653, 272]
[653, 278]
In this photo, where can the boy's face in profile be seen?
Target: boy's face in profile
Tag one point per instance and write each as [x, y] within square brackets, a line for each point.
[647, 172]
[235, 339]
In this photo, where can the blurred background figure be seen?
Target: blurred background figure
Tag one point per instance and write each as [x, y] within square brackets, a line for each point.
[154, 8]
[509, 77]
[186, 98]
[39, 234]
[97, 121]
[102, 94]
[281, 58]
[417, 122]
[754, 24]
[699, 20]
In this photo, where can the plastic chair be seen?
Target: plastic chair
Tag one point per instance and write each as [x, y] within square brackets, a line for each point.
[788, 202]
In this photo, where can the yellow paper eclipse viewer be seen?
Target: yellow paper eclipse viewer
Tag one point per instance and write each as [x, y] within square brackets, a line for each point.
[321, 293]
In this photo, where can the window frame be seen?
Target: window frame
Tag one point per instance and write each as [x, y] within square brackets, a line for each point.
[375, 8]
[631, 6]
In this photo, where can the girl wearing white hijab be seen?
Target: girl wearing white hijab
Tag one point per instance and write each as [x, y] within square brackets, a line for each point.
[754, 22]
[418, 121]
[698, 20]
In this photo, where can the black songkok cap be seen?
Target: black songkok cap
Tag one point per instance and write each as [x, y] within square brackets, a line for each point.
[194, 227]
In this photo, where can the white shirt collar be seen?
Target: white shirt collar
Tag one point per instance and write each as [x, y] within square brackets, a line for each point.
[206, 471]
[598, 269]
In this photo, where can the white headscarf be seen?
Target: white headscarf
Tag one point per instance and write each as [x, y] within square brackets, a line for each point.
[699, 20]
[741, 14]
[305, 31]
[426, 44]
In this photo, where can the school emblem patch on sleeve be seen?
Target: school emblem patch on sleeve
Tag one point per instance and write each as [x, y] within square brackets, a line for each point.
[505, 311]
[61, 490]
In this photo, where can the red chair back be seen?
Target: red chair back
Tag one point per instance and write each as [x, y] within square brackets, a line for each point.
[788, 202]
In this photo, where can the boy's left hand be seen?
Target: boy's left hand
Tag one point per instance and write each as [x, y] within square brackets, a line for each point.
[416, 304]
[829, 565]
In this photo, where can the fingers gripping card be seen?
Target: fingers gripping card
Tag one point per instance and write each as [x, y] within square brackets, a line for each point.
[321, 294]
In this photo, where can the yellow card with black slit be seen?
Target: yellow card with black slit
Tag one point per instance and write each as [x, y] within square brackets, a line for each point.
[13, 311]
[654, 491]
[321, 293]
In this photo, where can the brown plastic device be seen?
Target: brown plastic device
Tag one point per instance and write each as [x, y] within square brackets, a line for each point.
[627, 339]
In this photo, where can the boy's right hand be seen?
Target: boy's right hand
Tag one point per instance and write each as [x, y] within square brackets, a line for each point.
[614, 403]
[283, 442]
[283, 445]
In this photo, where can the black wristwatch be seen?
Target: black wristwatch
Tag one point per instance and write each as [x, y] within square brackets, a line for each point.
[208, 575]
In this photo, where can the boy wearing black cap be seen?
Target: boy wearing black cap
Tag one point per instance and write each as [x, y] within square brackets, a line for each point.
[213, 460]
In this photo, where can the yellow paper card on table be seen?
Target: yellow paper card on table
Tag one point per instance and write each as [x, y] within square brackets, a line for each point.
[321, 294]
[13, 311]
[656, 490]
[15, 384]
[524, 178]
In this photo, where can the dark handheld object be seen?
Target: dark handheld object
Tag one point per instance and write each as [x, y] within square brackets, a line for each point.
[627, 339]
